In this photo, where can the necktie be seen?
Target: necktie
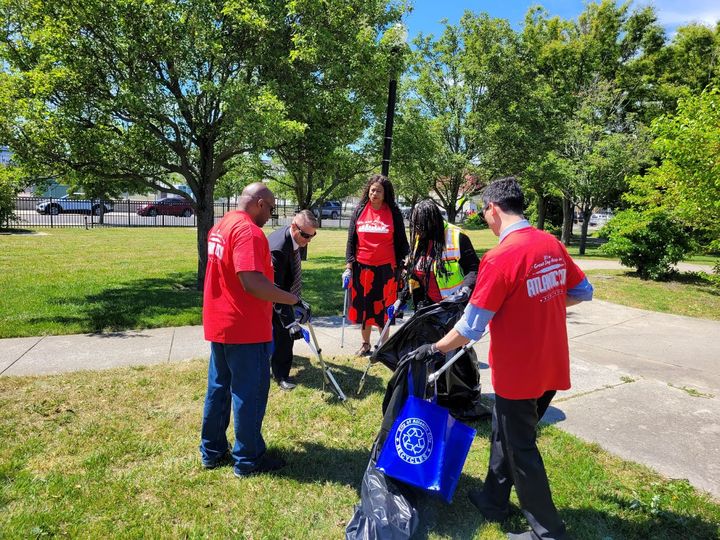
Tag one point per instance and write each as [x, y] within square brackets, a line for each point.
[296, 286]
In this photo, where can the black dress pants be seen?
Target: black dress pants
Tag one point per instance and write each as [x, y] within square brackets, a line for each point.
[282, 357]
[515, 461]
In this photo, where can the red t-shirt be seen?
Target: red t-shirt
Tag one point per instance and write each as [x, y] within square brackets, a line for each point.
[524, 280]
[375, 236]
[230, 314]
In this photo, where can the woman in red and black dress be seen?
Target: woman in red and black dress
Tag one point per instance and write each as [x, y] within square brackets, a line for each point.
[376, 247]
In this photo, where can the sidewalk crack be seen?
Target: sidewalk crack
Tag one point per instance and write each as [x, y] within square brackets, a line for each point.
[595, 390]
[606, 327]
[23, 354]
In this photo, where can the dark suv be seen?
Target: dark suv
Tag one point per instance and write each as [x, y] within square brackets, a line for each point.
[329, 209]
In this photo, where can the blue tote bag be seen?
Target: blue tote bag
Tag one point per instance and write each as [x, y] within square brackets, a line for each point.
[426, 448]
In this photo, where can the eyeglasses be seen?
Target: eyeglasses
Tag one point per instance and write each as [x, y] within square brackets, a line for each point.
[306, 236]
[486, 207]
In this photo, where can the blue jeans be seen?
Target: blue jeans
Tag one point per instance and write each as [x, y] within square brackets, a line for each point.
[237, 375]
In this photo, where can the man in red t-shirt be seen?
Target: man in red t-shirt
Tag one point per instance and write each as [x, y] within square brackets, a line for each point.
[522, 289]
[237, 319]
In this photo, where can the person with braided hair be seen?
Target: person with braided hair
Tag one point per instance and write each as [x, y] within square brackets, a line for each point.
[443, 259]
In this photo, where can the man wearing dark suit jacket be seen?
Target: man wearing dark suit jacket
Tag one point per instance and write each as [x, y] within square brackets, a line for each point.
[285, 244]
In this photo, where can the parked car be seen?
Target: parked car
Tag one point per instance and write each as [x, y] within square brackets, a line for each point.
[405, 210]
[600, 219]
[66, 204]
[169, 206]
[329, 209]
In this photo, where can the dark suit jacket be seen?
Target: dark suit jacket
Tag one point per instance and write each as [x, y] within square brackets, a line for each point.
[281, 251]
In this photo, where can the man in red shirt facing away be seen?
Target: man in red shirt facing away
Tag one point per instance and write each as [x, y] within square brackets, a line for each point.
[523, 287]
[237, 319]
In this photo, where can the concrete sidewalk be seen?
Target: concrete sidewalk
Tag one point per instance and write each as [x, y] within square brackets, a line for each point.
[646, 386]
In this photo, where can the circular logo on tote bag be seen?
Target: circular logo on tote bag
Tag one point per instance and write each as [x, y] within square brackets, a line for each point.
[413, 441]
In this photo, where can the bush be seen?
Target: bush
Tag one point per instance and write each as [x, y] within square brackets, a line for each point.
[652, 242]
[474, 221]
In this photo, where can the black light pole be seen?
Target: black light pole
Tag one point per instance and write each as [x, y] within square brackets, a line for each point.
[400, 35]
[389, 120]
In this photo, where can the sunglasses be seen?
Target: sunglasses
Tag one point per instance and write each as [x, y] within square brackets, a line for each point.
[305, 235]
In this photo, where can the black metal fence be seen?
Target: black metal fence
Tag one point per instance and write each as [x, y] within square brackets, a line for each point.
[34, 212]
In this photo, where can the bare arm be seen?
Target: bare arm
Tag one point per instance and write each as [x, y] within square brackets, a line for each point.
[261, 287]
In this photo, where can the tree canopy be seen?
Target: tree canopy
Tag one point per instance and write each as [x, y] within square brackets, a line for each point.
[138, 95]
[124, 94]
[686, 182]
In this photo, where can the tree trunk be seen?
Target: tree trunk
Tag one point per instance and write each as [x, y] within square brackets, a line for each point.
[586, 213]
[205, 222]
[567, 208]
[541, 211]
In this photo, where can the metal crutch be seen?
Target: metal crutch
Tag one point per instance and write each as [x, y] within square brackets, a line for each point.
[327, 374]
[346, 286]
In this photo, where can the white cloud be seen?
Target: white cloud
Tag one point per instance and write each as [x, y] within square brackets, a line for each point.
[674, 13]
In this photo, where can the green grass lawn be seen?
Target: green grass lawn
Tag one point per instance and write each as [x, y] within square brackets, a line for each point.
[65, 281]
[691, 294]
[114, 454]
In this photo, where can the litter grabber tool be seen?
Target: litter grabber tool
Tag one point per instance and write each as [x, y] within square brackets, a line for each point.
[328, 377]
[436, 375]
[346, 286]
[393, 312]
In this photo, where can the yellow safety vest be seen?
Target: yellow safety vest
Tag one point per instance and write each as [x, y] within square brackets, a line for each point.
[451, 257]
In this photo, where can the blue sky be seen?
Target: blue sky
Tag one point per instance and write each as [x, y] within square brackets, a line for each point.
[427, 14]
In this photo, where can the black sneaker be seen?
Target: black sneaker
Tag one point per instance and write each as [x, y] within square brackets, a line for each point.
[214, 464]
[489, 512]
[266, 465]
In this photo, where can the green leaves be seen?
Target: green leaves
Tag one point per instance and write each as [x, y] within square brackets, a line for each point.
[686, 182]
[651, 242]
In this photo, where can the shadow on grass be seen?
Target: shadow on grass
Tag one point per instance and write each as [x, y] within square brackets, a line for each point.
[621, 517]
[12, 230]
[642, 523]
[702, 280]
[310, 375]
[144, 303]
[698, 279]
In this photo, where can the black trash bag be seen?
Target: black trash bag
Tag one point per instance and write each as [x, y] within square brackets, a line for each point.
[458, 389]
[387, 508]
[384, 512]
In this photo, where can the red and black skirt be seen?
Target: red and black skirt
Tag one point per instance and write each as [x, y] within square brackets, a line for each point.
[373, 289]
